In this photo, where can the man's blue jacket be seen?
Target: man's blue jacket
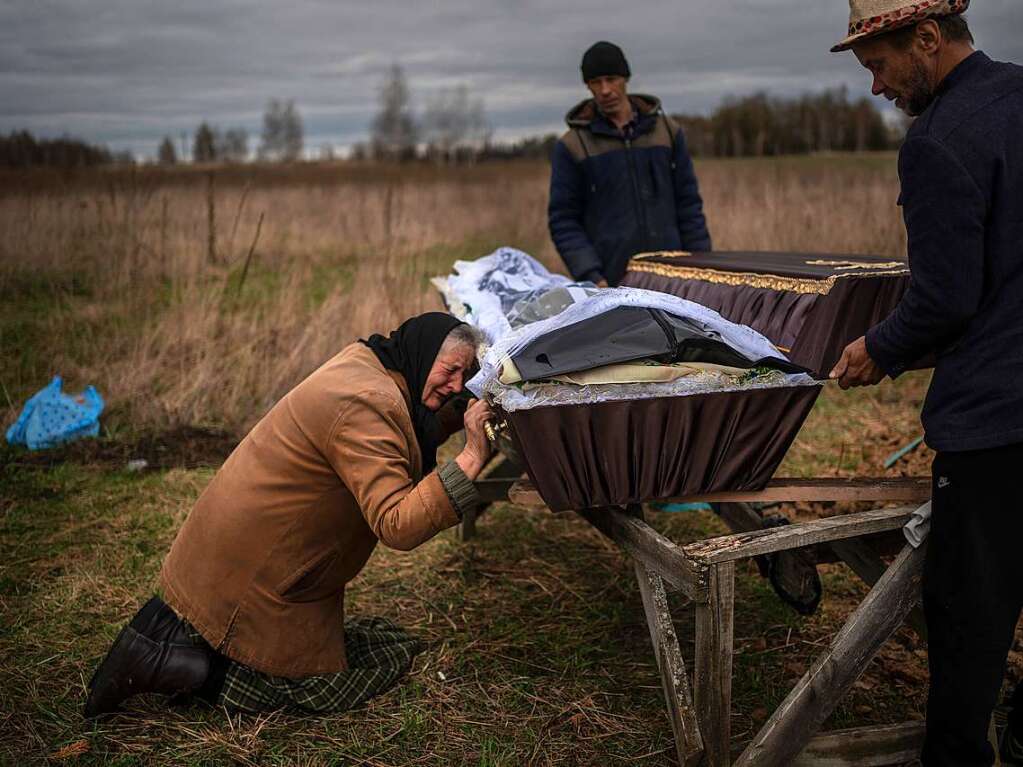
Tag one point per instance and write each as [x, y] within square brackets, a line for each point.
[614, 195]
[962, 199]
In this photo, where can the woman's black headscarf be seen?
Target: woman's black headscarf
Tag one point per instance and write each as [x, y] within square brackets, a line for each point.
[411, 351]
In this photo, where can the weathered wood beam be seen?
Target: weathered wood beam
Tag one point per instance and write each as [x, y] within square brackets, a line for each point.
[522, 493]
[729, 548]
[792, 726]
[646, 545]
[494, 489]
[894, 489]
[713, 673]
[740, 517]
[863, 560]
[871, 746]
[493, 485]
[674, 680]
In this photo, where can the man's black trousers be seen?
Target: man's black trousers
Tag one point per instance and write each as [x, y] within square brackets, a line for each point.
[973, 592]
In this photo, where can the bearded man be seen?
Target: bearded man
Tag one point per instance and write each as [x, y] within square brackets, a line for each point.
[961, 169]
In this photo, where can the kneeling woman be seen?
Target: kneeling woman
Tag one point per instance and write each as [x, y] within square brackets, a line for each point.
[254, 583]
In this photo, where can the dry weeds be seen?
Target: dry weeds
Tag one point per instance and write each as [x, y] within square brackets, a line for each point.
[538, 650]
[122, 282]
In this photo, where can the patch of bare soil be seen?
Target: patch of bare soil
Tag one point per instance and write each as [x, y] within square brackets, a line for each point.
[187, 447]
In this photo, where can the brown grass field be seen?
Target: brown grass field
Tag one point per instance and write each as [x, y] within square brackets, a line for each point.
[193, 305]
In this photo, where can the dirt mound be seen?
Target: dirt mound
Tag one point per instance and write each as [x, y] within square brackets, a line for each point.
[182, 447]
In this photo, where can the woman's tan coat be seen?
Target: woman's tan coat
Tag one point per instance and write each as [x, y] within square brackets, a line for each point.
[260, 565]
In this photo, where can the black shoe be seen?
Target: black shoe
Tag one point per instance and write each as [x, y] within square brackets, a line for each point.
[137, 664]
[158, 622]
[793, 574]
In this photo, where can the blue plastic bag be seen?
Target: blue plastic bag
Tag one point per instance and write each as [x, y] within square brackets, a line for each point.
[51, 418]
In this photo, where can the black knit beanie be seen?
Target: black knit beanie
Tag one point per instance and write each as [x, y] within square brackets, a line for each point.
[604, 59]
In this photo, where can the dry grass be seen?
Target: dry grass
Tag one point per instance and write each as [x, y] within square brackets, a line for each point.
[127, 281]
[538, 649]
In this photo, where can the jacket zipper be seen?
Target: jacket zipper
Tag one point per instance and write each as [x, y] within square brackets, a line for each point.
[636, 199]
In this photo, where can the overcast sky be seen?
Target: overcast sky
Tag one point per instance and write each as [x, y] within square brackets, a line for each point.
[127, 72]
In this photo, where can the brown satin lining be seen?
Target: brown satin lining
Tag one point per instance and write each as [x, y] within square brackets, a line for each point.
[614, 453]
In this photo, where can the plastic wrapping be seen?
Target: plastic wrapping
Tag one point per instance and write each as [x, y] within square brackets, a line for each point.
[519, 397]
[489, 287]
[745, 340]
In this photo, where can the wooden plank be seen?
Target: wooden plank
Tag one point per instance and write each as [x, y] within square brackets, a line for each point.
[740, 517]
[864, 747]
[674, 680]
[494, 489]
[522, 493]
[643, 543]
[466, 530]
[861, 558]
[502, 467]
[894, 489]
[713, 678]
[873, 746]
[791, 727]
[728, 548]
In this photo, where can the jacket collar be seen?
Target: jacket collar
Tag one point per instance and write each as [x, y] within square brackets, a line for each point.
[964, 70]
[585, 115]
[402, 384]
[398, 378]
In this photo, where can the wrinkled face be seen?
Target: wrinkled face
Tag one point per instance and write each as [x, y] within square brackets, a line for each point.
[448, 375]
[899, 75]
[609, 93]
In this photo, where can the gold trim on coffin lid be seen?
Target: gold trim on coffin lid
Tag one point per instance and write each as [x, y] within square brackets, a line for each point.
[753, 280]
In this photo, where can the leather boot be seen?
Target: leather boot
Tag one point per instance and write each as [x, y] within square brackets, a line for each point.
[158, 622]
[137, 664]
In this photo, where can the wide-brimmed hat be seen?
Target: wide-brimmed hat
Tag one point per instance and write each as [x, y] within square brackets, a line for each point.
[868, 18]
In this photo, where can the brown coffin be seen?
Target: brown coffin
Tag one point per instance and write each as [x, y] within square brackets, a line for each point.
[614, 453]
[810, 305]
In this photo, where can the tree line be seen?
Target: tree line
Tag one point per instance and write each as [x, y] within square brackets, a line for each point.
[20, 149]
[760, 125]
[281, 140]
[453, 127]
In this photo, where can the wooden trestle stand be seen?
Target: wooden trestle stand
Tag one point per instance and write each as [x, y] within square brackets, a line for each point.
[704, 572]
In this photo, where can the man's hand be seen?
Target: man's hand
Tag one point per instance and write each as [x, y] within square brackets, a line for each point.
[602, 283]
[476, 452]
[856, 368]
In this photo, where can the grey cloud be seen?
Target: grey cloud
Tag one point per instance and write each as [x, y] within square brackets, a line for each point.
[126, 72]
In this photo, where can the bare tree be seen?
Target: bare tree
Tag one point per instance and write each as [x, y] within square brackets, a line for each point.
[283, 132]
[204, 146]
[234, 145]
[455, 124]
[394, 130]
[166, 154]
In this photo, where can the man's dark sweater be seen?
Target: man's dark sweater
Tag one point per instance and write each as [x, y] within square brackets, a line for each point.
[961, 169]
[614, 195]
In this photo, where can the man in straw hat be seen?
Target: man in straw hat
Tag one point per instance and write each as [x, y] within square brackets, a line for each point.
[961, 169]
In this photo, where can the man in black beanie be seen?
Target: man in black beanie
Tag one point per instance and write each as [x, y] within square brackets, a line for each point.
[622, 181]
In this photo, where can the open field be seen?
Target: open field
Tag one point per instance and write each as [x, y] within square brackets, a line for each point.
[143, 285]
[148, 286]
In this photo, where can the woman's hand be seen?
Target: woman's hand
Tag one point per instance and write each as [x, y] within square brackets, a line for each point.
[476, 452]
